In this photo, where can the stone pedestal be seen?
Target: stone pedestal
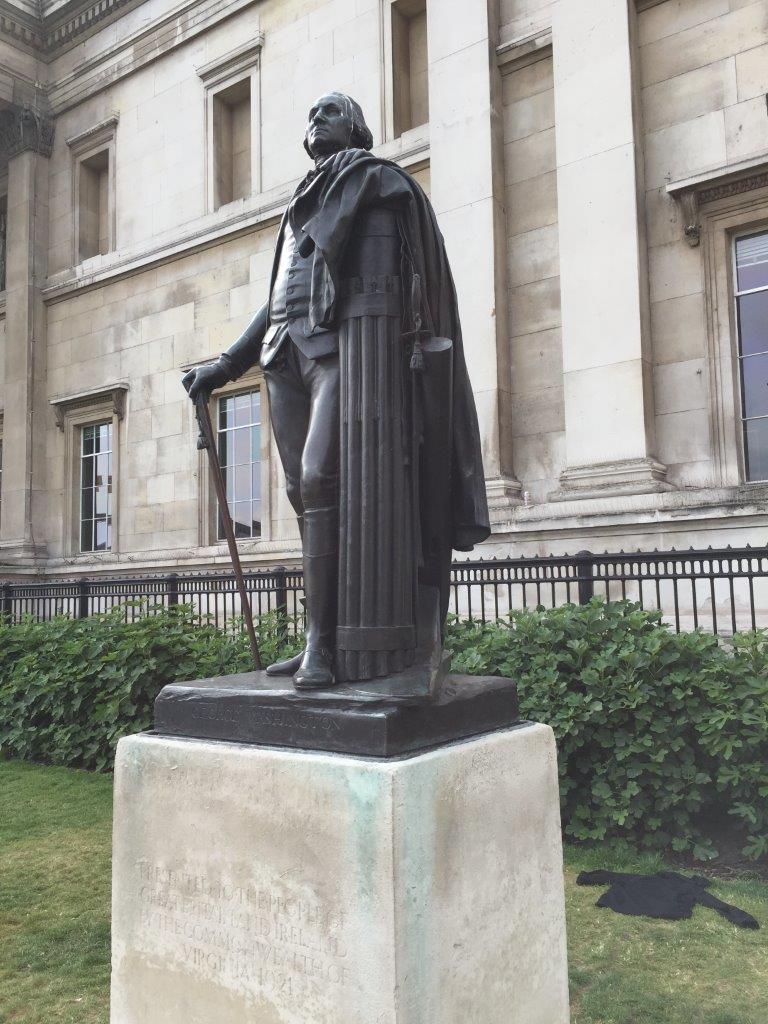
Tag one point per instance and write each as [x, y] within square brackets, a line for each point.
[257, 885]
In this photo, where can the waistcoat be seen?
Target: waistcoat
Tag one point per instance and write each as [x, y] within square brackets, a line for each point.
[290, 295]
[369, 285]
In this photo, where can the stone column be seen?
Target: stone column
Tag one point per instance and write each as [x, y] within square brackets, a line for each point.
[607, 361]
[467, 171]
[26, 138]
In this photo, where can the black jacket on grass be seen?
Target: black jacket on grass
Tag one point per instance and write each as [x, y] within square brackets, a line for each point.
[667, 895]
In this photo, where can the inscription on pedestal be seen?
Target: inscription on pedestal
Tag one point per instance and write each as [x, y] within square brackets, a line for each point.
[276, 718]
[257, 938]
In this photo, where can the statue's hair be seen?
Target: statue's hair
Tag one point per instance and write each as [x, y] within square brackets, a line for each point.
[360, 135]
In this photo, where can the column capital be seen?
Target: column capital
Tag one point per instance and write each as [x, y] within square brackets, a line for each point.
[24, 129]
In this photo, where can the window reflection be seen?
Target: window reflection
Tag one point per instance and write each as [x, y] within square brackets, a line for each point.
[239, 445]
[752, 315]
[96, 487]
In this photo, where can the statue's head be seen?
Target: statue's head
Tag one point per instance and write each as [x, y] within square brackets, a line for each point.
[336, 122]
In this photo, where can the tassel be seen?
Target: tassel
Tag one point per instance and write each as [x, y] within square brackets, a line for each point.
[417, 359]
[416, 300]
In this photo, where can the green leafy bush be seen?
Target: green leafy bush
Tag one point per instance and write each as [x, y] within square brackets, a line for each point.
[70, 689]
[656, 731]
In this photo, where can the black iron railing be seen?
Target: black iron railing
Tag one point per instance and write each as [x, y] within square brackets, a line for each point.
[721, 591]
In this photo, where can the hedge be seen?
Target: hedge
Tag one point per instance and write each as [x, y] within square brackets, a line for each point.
[69, 689]
[658, 733]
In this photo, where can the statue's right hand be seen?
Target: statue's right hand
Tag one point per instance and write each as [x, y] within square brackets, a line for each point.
[202, 380]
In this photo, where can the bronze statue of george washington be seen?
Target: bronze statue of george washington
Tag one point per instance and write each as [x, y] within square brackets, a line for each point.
[370, 404]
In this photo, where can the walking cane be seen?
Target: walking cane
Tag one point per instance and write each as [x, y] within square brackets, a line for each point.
[206, 440]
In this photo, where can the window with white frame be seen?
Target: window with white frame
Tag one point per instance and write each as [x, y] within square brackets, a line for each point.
[239, 445]
[96, 487]
[751, 291]
[90, 422]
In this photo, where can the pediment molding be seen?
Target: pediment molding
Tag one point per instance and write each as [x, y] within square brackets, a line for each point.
[710, 186]
[112, 395]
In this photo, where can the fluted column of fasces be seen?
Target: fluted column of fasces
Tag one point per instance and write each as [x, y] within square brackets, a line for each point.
[377, 569]
[349, 347]
[370, 441]
[344, 493]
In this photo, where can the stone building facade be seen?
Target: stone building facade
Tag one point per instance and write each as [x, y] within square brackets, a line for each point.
[600, 172]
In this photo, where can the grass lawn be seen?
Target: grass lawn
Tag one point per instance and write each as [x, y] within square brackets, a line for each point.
[54, 924]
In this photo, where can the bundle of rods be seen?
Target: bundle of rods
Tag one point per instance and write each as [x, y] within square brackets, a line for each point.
[377, 564]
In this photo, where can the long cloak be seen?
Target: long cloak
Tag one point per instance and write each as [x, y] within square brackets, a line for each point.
[452, 498]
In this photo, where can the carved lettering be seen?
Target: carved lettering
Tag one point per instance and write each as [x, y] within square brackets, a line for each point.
[211, 711]
[255, 936]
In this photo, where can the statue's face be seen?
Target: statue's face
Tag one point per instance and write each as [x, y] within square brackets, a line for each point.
[328, 126]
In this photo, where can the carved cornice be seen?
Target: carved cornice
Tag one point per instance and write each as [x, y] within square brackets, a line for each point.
[734, 188]
[23, 129]
[645, 5]
[55, 33]
[21, 29]
[527, 49]
[232, 63]
[722, 183]
[95, 135]
[113, 395]
[147, 43]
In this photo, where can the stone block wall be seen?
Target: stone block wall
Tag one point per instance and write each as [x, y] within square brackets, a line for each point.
[2, 362]
[703, 69]
[555, 130]
[534, 283]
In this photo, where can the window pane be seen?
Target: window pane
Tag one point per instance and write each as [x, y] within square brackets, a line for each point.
[86, 504]
[86, 535]
[105, 437]
[86, 478]
[242, 483]
[756, 436]
[242, 410]
[256, 480]
[242, 518]
[223, 449]
[255, 407]
[242, 448]
[87, 440]
[102, 501]
[101, 539]
[752, 262]
[229, 483]
[225, 413]
[103, 475]
[754, 383]
[256, 518]
[255, 444]
[753, 322]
